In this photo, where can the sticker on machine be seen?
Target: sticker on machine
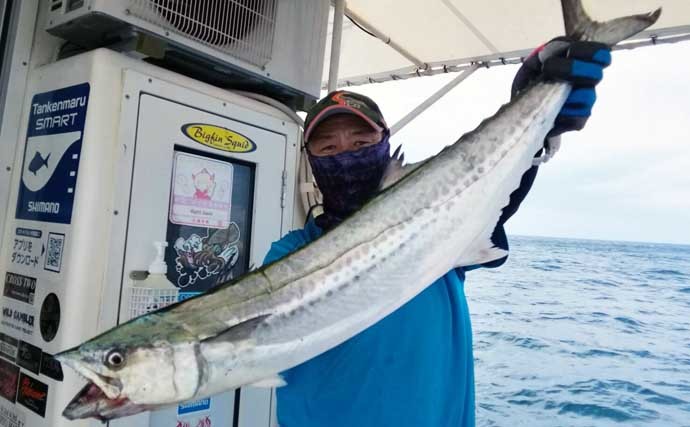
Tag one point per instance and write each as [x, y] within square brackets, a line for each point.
[27, 248]
[8, 347]
[201, 191]
[29, 357]
[9, 378]
[219, 138]
[51, 154]
[51, 368]
[54, 249]
[19, 287]
[32, 394]
[18, 318]
[10, 417]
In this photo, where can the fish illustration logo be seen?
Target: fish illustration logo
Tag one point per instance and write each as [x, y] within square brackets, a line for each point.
[40, 169]
[38, 162]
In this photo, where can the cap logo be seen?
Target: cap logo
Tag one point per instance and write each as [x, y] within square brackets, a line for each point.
[341, 99]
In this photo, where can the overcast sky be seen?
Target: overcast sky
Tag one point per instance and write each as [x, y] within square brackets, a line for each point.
[626, 176]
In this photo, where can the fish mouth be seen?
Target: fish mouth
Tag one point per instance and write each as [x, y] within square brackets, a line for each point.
[92, 402]
[112, 387]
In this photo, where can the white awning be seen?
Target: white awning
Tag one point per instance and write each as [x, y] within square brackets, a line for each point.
[449, 35]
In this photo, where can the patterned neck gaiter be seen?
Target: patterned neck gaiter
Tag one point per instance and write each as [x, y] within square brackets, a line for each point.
[348, 180]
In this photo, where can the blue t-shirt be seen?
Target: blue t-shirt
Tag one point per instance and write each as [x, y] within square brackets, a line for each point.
[413, 368]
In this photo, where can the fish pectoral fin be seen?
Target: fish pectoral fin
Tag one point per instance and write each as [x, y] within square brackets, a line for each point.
[239, 332]
[270, 382]
[482, 256]
[395, 170]
[484, 249]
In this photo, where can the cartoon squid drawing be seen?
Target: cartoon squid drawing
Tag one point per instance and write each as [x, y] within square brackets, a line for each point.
[199, 258]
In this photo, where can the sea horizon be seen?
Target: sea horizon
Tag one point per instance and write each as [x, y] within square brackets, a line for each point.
[535, 236]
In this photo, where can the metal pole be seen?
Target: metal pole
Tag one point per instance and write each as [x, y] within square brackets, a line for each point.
[386, 39]
[432, 99]
[335, 45]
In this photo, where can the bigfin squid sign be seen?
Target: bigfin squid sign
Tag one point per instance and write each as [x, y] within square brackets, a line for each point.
[219, 138]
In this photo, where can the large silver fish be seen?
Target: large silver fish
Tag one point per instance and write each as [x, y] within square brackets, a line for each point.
[429, 219]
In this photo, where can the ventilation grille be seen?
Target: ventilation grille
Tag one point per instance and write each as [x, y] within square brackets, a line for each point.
[241, 28]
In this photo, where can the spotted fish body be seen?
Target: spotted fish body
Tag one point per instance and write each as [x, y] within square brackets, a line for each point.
[438, 216]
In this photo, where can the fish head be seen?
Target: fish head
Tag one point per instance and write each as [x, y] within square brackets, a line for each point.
[127, 363]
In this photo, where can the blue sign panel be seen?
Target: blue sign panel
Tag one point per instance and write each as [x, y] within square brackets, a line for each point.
[194, 406]
[51, 156]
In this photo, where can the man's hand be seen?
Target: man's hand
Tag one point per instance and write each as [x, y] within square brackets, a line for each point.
[576, 62]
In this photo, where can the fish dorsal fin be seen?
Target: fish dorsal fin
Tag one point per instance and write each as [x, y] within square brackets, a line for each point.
[239, 332]
[395, 170]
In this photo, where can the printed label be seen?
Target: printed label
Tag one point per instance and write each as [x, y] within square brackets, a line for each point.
[27, 232]
[32, 394]
[18, 319]
[29, 357]
[27, 247]
[51, 368]
[10, 417]
[201, 191]
[8, 347]
[194, 406]
[19, 287]
[51, 155]
[219, 138]
[55, 247]
[9, 378]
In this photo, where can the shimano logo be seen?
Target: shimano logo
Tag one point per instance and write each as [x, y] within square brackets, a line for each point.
[44, 207]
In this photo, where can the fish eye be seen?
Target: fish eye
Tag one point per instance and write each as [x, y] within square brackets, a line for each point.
[115, 359]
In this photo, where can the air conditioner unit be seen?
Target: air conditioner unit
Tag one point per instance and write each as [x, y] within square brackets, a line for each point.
[266, 46]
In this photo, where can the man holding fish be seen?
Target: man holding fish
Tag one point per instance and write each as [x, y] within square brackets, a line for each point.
[414, 367]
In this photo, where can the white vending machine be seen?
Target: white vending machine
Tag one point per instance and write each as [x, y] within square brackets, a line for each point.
[115, 155]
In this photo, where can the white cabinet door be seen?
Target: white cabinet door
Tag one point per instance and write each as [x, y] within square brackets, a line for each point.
[211, 184]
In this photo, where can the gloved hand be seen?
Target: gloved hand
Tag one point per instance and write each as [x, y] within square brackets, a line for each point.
[577, 62]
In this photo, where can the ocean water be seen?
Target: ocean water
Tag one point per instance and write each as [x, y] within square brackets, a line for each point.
[583, 333]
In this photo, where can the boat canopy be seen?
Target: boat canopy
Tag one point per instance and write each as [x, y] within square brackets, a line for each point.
[435, 36]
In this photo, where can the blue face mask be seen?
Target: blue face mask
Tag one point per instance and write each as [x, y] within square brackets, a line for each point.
[348, 180]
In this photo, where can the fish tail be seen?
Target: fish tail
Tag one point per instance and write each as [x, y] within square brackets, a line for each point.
[45, 161]
[579, 26]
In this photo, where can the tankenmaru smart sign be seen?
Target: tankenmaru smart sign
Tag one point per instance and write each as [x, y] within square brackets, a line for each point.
[51, 156]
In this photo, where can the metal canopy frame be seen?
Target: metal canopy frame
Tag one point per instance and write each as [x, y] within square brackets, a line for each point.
[465, 67]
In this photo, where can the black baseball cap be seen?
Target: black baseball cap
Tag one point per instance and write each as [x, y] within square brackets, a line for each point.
[344, 102]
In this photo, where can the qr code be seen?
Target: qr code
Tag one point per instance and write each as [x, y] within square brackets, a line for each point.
[56, 244]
